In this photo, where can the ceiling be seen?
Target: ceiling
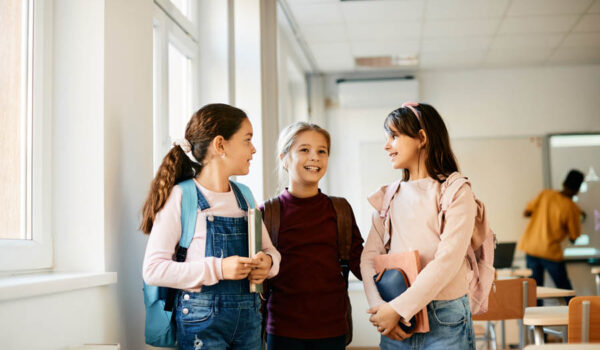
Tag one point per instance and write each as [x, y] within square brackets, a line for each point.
[448, 33]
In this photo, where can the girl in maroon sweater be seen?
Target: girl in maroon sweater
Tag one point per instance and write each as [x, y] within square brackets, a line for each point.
[307, 302]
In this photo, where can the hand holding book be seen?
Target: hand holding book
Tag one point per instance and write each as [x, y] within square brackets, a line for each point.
[262, 268]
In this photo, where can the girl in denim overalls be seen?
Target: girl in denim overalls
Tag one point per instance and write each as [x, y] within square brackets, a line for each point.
[214, 308]
[418, 143]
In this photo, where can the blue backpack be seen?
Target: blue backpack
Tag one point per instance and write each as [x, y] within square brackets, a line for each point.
[160, 324]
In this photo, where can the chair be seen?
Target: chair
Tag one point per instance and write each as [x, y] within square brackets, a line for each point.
[507, 301]
[596, 273]
[584, 319]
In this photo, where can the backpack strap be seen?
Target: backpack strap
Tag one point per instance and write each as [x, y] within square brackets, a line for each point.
[272, 218]
[343, 213]
[189, 213]
[448, 191]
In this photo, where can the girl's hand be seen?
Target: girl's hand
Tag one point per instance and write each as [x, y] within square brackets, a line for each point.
[398, 333]
[260, 272]
[236, 267]
[385, 319]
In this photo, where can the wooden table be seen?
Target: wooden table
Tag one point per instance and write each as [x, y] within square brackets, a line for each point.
[564, 347]
[521, 272]
[541, 316]
[596, 271]
[554, 293]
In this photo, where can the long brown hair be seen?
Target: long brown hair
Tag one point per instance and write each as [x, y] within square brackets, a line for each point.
[207, 123]
[440, 162]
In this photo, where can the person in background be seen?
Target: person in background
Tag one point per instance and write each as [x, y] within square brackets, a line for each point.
[554, 216]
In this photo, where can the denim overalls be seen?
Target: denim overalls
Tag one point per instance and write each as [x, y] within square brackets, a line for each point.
[225, 315]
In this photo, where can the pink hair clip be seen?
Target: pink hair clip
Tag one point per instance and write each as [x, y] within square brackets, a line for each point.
[411, 106]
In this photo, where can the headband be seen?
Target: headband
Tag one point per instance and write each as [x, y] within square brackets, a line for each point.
[411, 106]
[186, 147]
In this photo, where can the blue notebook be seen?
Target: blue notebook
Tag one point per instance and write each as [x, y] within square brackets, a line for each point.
[390, 284]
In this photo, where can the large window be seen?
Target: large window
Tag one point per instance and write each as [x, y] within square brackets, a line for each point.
[175, 72]
[25, 241]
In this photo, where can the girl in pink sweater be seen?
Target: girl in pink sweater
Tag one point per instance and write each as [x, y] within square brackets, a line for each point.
[418, 143]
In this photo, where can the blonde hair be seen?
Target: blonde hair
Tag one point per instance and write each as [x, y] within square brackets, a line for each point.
[287, 138]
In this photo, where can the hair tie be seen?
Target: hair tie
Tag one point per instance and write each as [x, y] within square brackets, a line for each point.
[186, 147]
[411, 106]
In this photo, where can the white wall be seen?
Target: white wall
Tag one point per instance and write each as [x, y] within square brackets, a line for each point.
[128, 157]
[520, 101]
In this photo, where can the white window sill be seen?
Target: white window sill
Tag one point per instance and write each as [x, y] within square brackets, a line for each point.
[30, 285]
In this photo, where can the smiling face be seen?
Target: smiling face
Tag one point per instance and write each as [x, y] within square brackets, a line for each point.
[239, 149]
[307, 159]
[403, 150]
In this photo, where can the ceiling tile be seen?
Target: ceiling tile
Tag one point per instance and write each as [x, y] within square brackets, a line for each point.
[322, 33]
[451, 59]
[385, 48]
[336, 65]
[331, 52]
[459, 43]
[460, 27]
[582, 40]
[534, 25]
[588, 23]
[503, 57]
[465, 9]
[317, 13]
[526, 41]
[382, 30]
[576, 55]
[365, 11]
[548, 7]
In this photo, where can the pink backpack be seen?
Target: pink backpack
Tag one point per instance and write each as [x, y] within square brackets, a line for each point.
[480, 254]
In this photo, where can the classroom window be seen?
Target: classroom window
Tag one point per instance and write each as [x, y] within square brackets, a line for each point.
[25, 237]
[15, 118]
[175, 77]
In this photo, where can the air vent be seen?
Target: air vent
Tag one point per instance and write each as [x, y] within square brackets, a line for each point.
[386, 61]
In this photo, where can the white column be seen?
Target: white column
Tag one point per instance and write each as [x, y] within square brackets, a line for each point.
[256, 87]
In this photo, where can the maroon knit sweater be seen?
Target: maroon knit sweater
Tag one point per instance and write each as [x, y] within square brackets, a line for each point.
[307, 299]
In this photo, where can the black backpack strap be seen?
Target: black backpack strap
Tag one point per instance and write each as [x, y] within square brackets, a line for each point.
[343, 213]
[272, 218]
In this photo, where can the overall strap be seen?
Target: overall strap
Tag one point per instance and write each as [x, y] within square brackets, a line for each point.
[243, 195]
[202, 202]
[272, 218]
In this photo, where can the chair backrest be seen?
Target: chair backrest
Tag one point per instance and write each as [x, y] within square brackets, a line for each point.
[506, 299]
[593, 319]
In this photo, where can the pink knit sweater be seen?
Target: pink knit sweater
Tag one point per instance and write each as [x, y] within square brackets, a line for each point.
[415, 226]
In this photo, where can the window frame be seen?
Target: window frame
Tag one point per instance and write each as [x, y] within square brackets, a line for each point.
[168, 31]
[35, 252]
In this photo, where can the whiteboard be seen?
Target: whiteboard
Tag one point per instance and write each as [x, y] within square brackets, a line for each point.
[505, 173]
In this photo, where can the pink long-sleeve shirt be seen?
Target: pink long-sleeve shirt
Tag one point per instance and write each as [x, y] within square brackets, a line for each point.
[198, 270]
[415, 226]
